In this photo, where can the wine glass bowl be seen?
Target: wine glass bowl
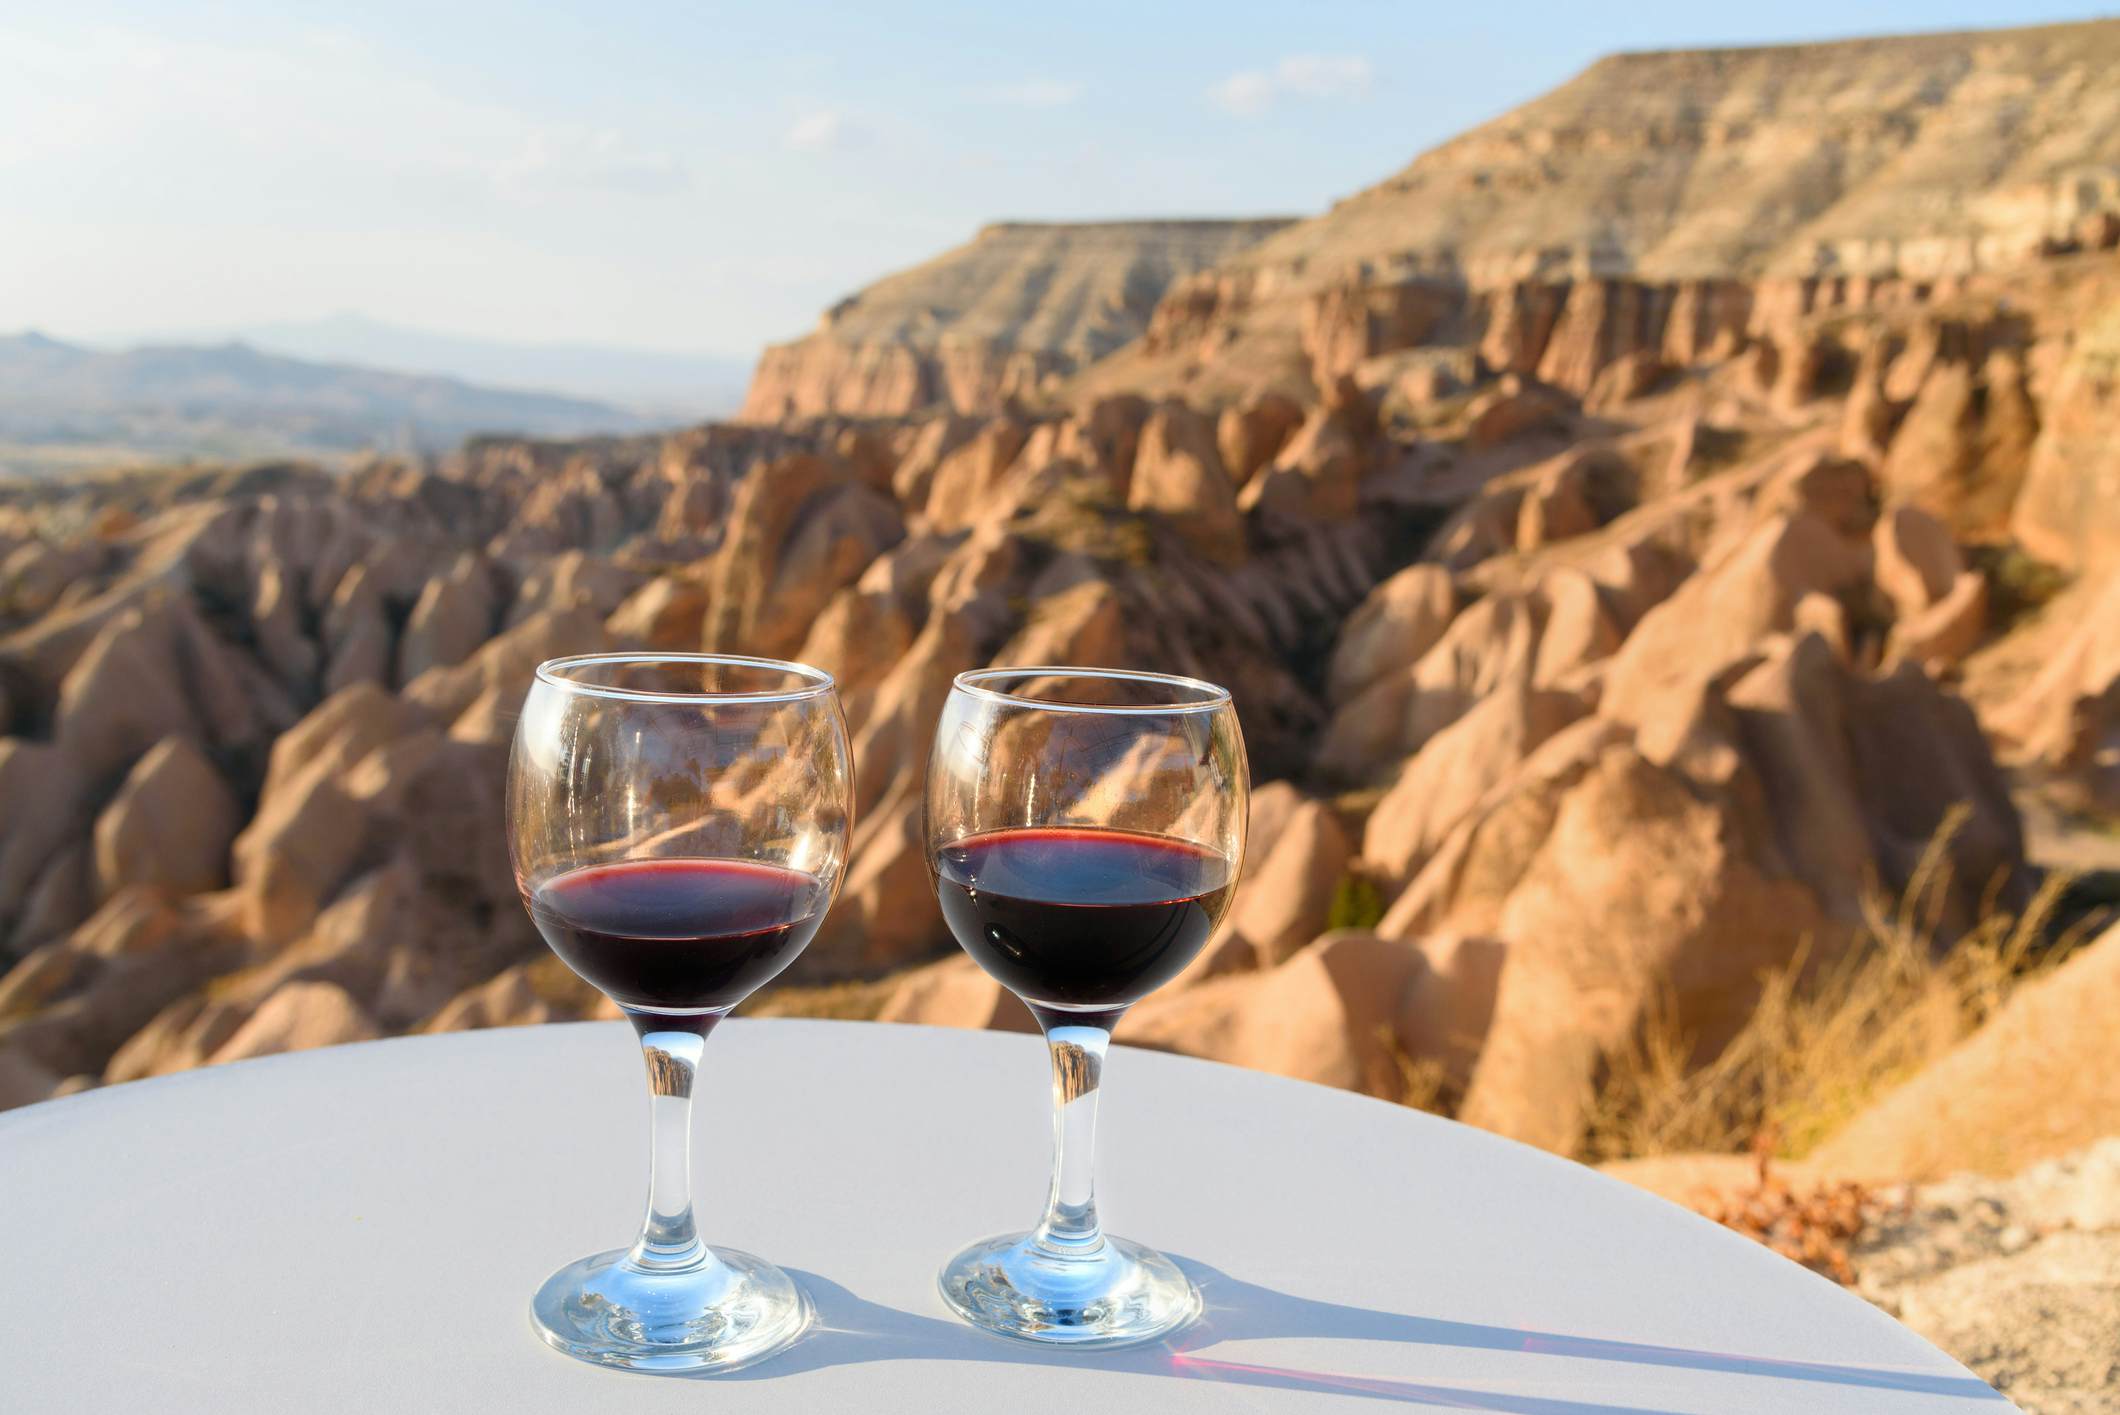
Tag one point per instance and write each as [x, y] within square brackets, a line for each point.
[1085, 830]
[678, 825]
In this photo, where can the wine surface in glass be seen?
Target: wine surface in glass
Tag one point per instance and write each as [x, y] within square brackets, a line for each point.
[681, 934]
[1081, 916]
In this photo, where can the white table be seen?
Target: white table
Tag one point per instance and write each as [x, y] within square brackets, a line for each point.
[361, 1229]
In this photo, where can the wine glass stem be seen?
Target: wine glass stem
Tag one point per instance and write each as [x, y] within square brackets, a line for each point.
[1070, 1228]
[669, 1239]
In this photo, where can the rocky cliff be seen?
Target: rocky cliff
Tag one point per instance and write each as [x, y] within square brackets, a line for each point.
[1019, 304]
[1678, 178]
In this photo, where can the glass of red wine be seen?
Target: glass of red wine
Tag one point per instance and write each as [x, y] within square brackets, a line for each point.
[1085, 829]
[679, 828]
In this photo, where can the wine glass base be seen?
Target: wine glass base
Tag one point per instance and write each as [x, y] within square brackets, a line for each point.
[1119, 1296]
[730, 1310]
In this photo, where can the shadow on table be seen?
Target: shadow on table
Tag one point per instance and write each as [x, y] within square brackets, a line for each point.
[851, 1330]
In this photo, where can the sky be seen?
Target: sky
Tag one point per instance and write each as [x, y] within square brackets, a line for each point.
[698, 176]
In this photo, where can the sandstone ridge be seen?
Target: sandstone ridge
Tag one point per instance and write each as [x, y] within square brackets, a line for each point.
[1920, 158]
[1017, 306]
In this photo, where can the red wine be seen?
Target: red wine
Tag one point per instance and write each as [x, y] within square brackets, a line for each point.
[1081, 917]
[679, 935]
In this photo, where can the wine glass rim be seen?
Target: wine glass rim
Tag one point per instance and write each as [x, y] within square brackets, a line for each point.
[556, 672]
[1212, 696]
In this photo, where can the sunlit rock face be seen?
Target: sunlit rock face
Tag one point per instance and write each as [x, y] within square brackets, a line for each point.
[998, 319]
[1676, 202]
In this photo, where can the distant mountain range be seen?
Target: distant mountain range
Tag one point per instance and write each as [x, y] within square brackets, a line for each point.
[65, 406]
[674, 386]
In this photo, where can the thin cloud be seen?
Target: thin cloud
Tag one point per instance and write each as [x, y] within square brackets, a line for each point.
[1033, 93]
[821, 131]
[1343, 77]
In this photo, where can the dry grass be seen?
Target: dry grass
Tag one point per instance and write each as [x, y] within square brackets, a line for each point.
[1421, 1082]
[850, 1001]
[555, 984]
[1827, 1039]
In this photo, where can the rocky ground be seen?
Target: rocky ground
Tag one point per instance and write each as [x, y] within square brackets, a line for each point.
[2018, 1278]
[2016, 1275]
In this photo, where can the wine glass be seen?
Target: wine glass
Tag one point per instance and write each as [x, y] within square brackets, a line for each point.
[1085, 828]
[679, 827]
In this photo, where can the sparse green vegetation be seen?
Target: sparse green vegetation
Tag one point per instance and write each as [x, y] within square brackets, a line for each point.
[1357, 902]
[1717, 448]
[1081, 514]
[2018, 585]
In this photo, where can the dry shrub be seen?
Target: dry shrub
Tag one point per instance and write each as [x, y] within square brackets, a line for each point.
[1814, 1227]
[559, 988]
[857, 1001]
[1420, 1082]
[1826, 1039]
